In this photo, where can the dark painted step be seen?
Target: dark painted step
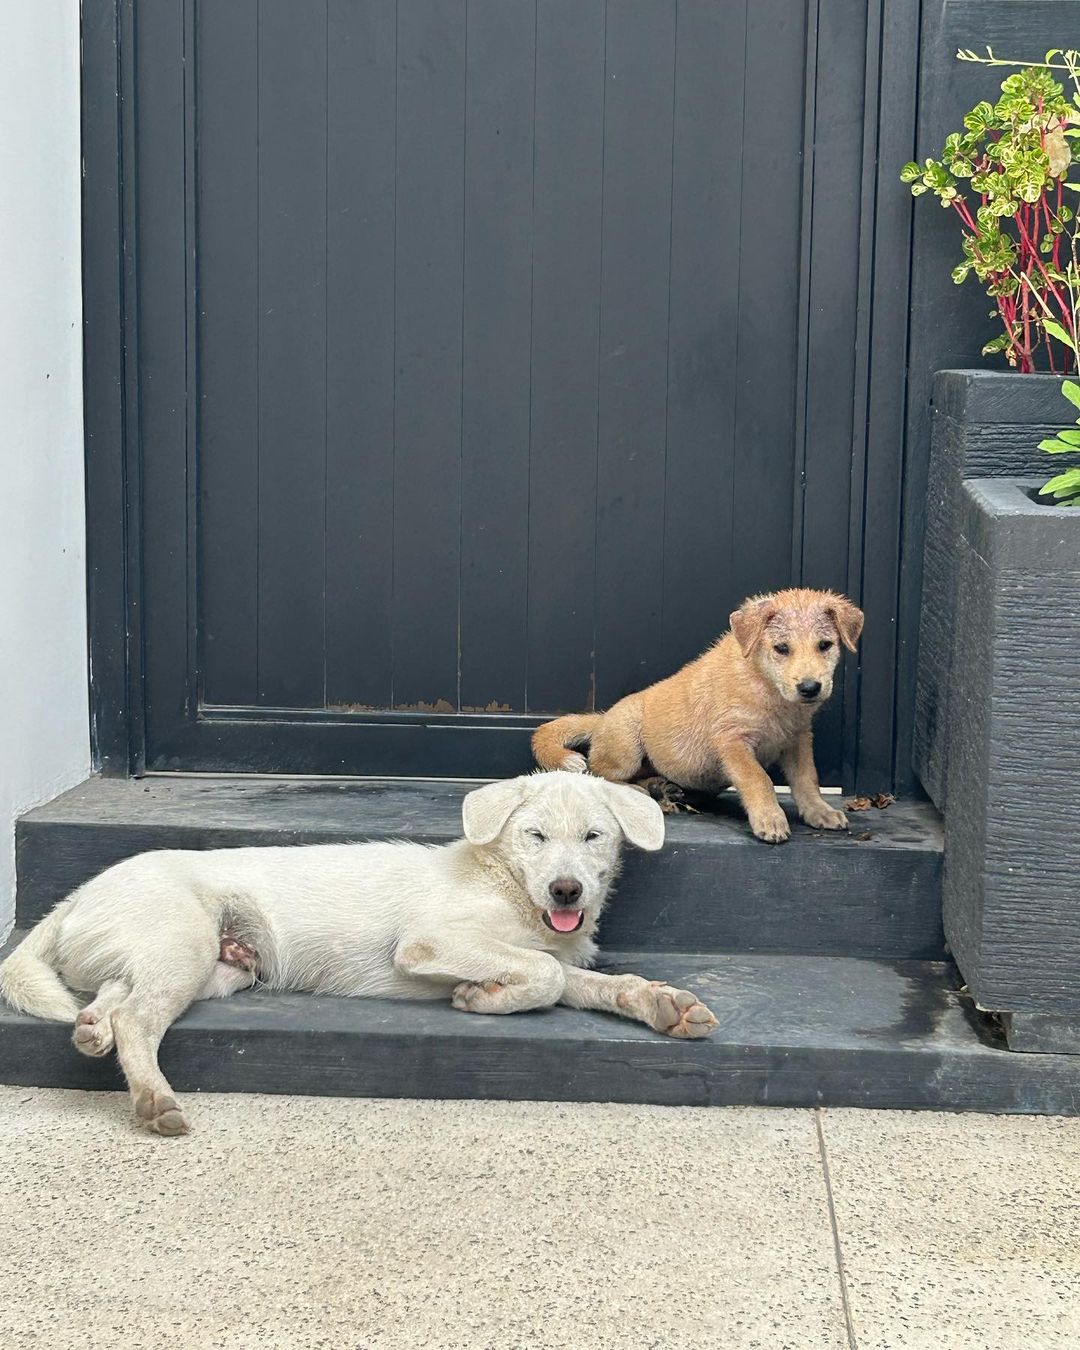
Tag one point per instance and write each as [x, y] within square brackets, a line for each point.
[875, 892]
[794, 1031]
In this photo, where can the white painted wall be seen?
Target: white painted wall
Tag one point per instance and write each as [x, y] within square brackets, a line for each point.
[44, 739]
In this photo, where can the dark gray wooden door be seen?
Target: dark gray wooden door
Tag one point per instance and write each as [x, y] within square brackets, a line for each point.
[484, 354]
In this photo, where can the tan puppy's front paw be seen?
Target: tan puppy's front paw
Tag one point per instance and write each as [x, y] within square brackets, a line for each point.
[771, 826]
[821, 816]
[678, 1012]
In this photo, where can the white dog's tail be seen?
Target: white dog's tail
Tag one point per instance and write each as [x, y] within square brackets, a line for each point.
[30, 983]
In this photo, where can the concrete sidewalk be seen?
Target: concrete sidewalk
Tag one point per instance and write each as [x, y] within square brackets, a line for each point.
[300, 1222]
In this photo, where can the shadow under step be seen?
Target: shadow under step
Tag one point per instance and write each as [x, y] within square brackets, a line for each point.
[874, 892]
[794, 1031]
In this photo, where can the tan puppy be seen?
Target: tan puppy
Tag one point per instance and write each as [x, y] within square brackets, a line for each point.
[722, 720]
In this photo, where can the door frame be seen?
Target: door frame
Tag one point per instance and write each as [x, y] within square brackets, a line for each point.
[113, 442]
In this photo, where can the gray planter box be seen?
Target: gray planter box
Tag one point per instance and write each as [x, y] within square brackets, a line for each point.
[985, 424]
[1012, 861]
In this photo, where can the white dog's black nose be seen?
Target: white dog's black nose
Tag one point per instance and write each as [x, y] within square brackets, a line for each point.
[809, 688]
[565, 890]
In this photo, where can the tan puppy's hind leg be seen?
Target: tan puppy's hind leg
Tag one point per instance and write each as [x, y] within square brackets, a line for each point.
[616, 751]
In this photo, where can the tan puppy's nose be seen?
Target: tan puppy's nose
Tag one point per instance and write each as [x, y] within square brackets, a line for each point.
[809, 688]
[565, 890]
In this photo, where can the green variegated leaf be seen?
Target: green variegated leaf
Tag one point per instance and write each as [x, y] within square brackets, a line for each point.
[1071, 390]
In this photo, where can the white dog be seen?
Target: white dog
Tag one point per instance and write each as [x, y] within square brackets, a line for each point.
[504, 919]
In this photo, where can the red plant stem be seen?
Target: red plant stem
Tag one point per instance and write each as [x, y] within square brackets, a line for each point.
[1066, 313]
[1057, 237]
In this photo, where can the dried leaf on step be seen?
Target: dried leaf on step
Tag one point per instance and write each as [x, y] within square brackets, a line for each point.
[858, 804]
[864, 837]
[882, 800]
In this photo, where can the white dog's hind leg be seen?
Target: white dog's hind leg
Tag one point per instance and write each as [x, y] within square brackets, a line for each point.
[93, 1033]
[162, 988]
[490, 977]
[675, 1012]
[225, 980]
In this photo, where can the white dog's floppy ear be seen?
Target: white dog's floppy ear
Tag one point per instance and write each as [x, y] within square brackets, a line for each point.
[486, 810]
[639, 817]
[749, 620]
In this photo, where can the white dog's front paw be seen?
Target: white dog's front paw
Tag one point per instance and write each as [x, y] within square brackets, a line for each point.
[479, 998]
[675, 1012]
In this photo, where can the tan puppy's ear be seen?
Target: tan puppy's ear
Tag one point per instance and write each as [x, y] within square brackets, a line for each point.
[486, 810]
[749, 620]
[639, 817]
[849, 621]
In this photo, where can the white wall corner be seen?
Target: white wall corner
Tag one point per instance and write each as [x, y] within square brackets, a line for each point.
[44, 736]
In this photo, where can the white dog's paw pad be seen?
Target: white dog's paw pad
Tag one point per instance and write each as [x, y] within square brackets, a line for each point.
[680, 1013]
[159, 1112]
[479, 998]
[93, 1035]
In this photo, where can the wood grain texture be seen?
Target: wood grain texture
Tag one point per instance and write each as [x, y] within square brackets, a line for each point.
[497, 336]
[227, 351]
[984, 425]
[794, 1031]
[949, 325]
[429, 271]
[360, 343]
[1014, 765]
[1042, 1033]
[567, 178]
[476, 372]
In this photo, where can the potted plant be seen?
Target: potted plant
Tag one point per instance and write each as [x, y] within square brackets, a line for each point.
[1000, 624]
[1010, 179]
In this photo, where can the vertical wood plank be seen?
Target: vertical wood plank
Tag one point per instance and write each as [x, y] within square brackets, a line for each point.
[770, 209]
[159, 71]
[638, 115]
[427, 472]
[699, 592]
[833, 282]
[292, 350]
[565, 326]
[361, 84]
[227, 340]
[497, 321]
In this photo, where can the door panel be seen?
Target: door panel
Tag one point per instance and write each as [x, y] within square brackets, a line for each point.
[489, 352]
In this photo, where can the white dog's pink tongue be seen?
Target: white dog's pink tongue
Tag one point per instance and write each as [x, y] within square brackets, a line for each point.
[565, 920]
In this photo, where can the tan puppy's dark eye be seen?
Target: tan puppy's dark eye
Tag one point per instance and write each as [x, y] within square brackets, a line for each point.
[824, 645]
[782, 649]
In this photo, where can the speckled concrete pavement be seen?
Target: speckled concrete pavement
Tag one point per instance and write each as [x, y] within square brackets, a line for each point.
[300, 1222]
